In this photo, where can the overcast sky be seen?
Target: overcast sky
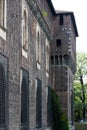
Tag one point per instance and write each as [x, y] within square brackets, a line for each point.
[79, 7]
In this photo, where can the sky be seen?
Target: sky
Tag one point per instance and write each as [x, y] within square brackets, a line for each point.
[79, 7]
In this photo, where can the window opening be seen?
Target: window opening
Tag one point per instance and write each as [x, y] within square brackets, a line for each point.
[25, 100]
[52, 60]
[56, 60]
[39, 104]
[2, 95]
[58, 43]
[61, 19]
[60, 57]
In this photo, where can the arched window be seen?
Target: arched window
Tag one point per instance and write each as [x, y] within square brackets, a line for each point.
[60, 58]
[2, 95]
[25, 31]
[52, 60]
[39, 104]
[25, 100]
[58, 42]
[56, 60]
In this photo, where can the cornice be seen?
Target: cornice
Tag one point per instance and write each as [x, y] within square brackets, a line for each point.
[39, 17]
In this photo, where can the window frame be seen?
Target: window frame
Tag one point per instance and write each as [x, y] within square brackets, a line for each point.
[24, 90]
[47, 57]
[24, 25]
[4, 63]
[38, 43]
[38, 103]
[38, 46]
[25, 30]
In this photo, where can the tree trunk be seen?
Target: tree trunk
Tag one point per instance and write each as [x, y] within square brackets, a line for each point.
[83, 97]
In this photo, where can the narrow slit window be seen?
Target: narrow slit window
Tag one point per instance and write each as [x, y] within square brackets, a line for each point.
[56, 60]
[39, 104]
[52, 60]
[58, 42]
[61, 19]
[60, 57]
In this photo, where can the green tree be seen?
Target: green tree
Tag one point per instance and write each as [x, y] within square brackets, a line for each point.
[80, 86]
[59, 119]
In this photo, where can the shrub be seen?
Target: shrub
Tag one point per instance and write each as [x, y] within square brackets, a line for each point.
[59, 121]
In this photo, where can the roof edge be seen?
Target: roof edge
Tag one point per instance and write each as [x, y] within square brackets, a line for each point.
[51, 7]
[65, 13]
[72, 17]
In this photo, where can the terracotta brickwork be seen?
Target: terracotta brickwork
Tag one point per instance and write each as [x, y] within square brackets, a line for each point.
[27, 41]
[63, 61]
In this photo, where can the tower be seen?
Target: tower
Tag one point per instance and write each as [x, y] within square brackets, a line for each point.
[63, 60]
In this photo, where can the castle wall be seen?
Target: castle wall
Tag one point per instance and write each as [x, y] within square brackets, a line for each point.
[22, 63]
[30, 34]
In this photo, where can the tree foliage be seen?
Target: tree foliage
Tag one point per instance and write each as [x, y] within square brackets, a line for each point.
[59, 119]
[80, 86]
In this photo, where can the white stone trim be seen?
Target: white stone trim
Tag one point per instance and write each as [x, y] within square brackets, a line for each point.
[38, 43]
[47, 74]
[2, 29]
[24, 8]
[5, 15]
[47, 55]
[38, 66]
[24, 53]
[3, 34]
